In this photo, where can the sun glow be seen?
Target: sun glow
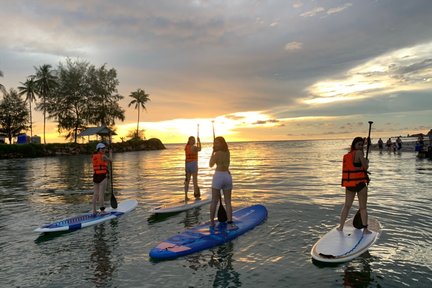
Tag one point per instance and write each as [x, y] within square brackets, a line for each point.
[178, 130]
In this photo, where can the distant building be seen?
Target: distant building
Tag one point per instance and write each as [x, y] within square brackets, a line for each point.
[23, 139]
[36, 139]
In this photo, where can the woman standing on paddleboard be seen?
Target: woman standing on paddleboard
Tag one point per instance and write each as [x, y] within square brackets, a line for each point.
[100, 167]
[355, 180]
[191, 153]
[222, 179]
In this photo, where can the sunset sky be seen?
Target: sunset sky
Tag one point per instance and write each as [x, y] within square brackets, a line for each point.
[261, 70]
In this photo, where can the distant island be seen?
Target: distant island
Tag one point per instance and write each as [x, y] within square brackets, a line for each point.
[32, 150]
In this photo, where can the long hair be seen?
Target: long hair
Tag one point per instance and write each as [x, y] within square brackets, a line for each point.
[191, 140]
[224, 146]
[355, 141]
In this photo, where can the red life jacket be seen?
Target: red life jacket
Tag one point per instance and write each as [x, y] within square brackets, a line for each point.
[190, 155]
[351, 175]
[99, 165]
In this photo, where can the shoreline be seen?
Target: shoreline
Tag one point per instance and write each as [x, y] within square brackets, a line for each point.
[32, 150]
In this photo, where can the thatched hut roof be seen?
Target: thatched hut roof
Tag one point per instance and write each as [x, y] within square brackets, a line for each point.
[101, 131]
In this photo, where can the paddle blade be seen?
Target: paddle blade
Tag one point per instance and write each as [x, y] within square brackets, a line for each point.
[222, 215]
[357, 222]
[113, 201]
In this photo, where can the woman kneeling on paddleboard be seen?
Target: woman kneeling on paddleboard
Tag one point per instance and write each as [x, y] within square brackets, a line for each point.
[100, 167]
[355, 180]
[222, 179]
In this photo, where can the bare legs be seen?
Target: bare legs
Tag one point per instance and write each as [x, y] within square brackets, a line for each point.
[228, 207]
[362, 196]
[349, 199]
[215, 201]
[213, 204]
[187, 182]
[99, 194]
[186, 185]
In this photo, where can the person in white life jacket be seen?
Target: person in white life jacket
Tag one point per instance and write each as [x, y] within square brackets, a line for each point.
[355, 180]
[100, 167]
[191, 166]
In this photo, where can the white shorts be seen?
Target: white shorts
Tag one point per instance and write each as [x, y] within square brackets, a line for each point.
[222, 180]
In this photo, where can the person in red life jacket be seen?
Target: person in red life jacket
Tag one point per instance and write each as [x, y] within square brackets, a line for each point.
[100, 167]
[191, 166]
[355, 180]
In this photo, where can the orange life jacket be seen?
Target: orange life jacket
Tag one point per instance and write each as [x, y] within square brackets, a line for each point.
[190, 155]
[99, 165]
[351, 175]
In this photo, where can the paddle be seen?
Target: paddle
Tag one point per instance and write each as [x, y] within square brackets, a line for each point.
[221, 214]
[357, 222]
[197, 193]
[113, 200]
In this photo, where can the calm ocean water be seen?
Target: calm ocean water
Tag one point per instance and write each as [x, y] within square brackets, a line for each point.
[298, 182]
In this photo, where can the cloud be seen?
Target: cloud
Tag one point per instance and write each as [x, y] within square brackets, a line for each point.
[338, 9]
[313, 12]
[292, 46]
[321, 10]
[407, 69]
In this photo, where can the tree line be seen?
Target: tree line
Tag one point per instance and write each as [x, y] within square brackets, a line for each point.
[76, 95]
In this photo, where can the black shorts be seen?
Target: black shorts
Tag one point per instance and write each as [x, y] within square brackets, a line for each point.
[357, 188]
[98, 178]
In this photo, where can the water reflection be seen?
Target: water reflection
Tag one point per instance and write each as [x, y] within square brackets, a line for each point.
[359, 275]
[222, 260]
[101, 258]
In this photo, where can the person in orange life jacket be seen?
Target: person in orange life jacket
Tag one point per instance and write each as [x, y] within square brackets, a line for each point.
[355, 180]
[100, 167]
[191, 166]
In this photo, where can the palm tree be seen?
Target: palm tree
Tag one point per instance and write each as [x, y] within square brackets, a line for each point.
[46, 81]
[29, 89]
[2, 88]
[140, 98]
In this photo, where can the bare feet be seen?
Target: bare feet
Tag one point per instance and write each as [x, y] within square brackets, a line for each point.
[231, 226]
[340, 228]
[366, 231]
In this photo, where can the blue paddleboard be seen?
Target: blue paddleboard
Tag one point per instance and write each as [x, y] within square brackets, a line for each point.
[88, 219]
[204, 237]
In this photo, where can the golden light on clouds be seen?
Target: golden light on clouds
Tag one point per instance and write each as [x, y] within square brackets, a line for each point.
[406, 69]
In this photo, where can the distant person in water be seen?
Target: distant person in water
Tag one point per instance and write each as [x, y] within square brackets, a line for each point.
[355, 181]
[222, 180]
[399, 143]
[389, 144]
[380, 144]
[100, 168]
[191, 166]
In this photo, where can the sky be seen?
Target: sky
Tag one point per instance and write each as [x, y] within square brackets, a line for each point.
[254, 70]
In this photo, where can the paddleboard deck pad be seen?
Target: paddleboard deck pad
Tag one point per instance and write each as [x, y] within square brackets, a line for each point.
[341, 246]
[204, 237]
[89, 219]
[183, 205]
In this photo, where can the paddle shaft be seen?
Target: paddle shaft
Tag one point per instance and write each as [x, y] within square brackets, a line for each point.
[113, 200]
[368, 139]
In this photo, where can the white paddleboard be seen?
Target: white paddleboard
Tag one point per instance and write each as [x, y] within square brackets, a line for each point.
[89, 219]
[341, 246]
[183, 205]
